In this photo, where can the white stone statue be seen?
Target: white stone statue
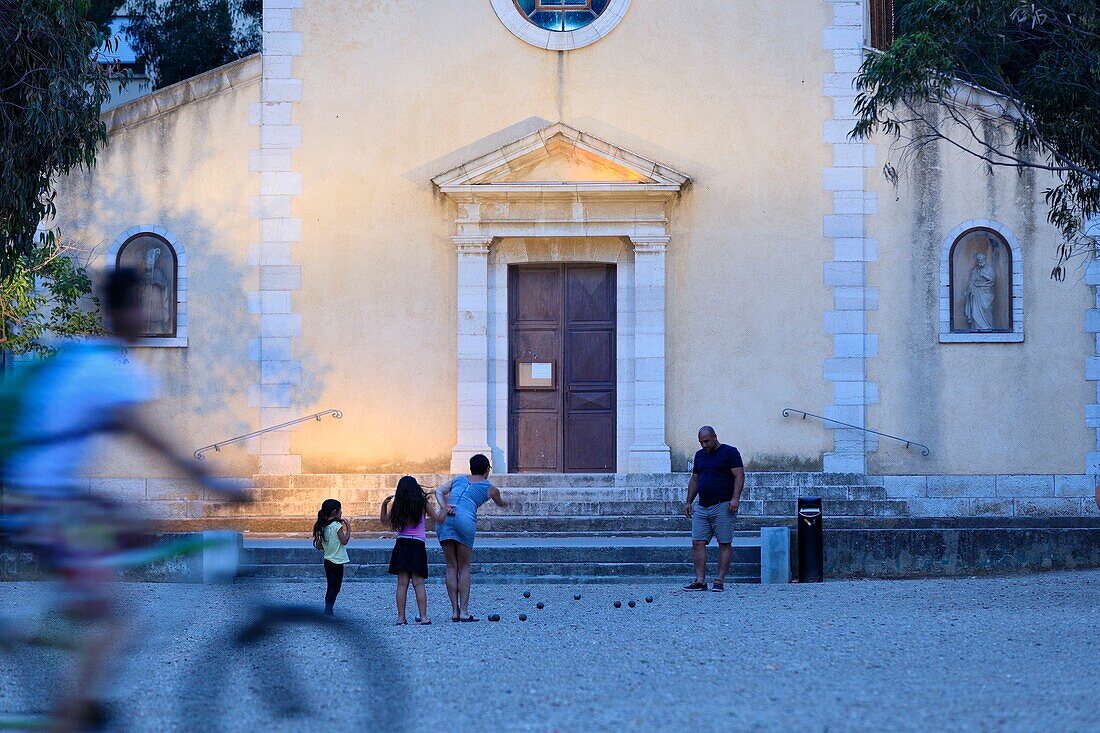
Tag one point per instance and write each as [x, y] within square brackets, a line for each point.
[979, 295]
[156, 295]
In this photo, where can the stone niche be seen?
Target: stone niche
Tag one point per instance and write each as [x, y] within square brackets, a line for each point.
[155, 259]
[981, 283]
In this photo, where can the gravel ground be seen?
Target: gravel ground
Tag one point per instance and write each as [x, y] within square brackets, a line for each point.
[1019, 653]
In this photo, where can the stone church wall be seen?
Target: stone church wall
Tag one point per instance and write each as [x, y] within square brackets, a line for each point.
[724, 92]
[177, 164]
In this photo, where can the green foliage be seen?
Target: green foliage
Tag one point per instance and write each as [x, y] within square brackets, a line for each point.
[51, 91]
[179, 39]
[46, 296]
[1041, 61]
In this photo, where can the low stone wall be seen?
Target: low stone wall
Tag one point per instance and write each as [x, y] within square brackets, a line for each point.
[959, 550]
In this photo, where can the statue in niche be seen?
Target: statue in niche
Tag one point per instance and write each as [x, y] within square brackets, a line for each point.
[978, 306]
[156, 296]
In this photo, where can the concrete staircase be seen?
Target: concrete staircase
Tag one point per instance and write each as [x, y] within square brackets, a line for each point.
[555, 527]
[543, 505]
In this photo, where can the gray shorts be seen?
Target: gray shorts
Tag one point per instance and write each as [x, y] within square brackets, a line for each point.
[712, 521]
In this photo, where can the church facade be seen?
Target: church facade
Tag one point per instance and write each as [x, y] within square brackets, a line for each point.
[567, 233]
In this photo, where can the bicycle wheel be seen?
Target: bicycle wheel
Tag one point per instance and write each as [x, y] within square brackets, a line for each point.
[291, 668]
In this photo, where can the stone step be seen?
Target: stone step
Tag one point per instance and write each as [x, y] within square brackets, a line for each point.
[374, 496]
[559, 558]
[578, 550]
[805, 480]
[565, 573]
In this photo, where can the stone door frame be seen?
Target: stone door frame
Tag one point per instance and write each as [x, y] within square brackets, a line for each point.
[490, 209]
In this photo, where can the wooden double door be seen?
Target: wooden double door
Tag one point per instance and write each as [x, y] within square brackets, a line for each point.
[561, 345]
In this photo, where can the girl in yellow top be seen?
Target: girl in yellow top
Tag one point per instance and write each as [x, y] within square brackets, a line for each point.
[331, 533]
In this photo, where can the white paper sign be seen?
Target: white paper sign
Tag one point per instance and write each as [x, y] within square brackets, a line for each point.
[541, 370]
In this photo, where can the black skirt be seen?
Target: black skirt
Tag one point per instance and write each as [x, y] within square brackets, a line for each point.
[409, 556]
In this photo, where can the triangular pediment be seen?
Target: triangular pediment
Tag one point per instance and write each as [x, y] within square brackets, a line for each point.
[556, 155]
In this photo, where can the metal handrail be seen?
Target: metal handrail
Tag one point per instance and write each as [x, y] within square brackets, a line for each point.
[924, 450]
[218, 446]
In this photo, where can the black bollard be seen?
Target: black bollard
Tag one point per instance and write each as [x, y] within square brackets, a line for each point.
[811, 542]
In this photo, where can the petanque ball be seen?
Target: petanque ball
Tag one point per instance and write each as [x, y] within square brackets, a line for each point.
[540, 605]
[576, 596]
[632, 604]
[618, 604]
[494, 617]
[523, 617]
[649, 599]
[526, 594]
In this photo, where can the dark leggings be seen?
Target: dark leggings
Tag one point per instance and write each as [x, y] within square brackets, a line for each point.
[334, 573]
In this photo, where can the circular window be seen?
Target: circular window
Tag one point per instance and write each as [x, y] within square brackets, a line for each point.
[560, 25]
[561, 15]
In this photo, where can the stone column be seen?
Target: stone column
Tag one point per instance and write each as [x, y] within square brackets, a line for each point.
[473, 350]
[649, 453]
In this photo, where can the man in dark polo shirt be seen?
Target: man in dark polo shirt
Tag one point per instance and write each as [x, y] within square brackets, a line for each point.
[717, 478]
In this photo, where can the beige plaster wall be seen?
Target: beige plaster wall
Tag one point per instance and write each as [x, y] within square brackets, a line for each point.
[186, 171]
[728, 93]
[985, 407]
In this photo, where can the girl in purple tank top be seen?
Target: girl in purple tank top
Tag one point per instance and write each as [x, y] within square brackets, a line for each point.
[409, 560]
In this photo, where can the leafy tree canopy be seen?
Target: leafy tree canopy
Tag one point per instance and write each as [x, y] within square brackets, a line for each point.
[46, 295]
[179, 39]
[52, 87]
[1041, 62]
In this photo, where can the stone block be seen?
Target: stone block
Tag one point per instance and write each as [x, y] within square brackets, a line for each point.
[844, 462]
[836, 132]
[839, 84]
[844, 321]
[282, 44]
[962, 486]
[280, 464]
[132, 489]
[843, 370]
[775, 555]
[280, 325]
[1092, 272]
[855, 345]
[835, 37]
[938, 507]
[906, 487]
[1027, 485]
[843, 274]
[1053, 507]
[1075, 485]
[991, 507]
[280, 277]
[172, 489]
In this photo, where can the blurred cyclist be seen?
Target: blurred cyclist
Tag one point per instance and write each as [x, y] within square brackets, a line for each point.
[85, 389]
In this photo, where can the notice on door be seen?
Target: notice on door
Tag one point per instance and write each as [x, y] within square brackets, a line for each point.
[535, 375]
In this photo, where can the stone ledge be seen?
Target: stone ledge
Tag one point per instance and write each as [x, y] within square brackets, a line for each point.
[233, 75]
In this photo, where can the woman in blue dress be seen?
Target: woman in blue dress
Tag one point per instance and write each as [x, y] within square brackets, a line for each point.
[462, 496]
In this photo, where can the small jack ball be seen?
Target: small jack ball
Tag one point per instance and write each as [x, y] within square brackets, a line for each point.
[494, 617]
[523, 617]
[576, 596]
[649, 599]
[539, 605]
[632, 604]
[618, 604]
[526, 594]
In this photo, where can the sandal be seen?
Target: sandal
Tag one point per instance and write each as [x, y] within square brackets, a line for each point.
[469, 619]
[402, 623]
[423, 623]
